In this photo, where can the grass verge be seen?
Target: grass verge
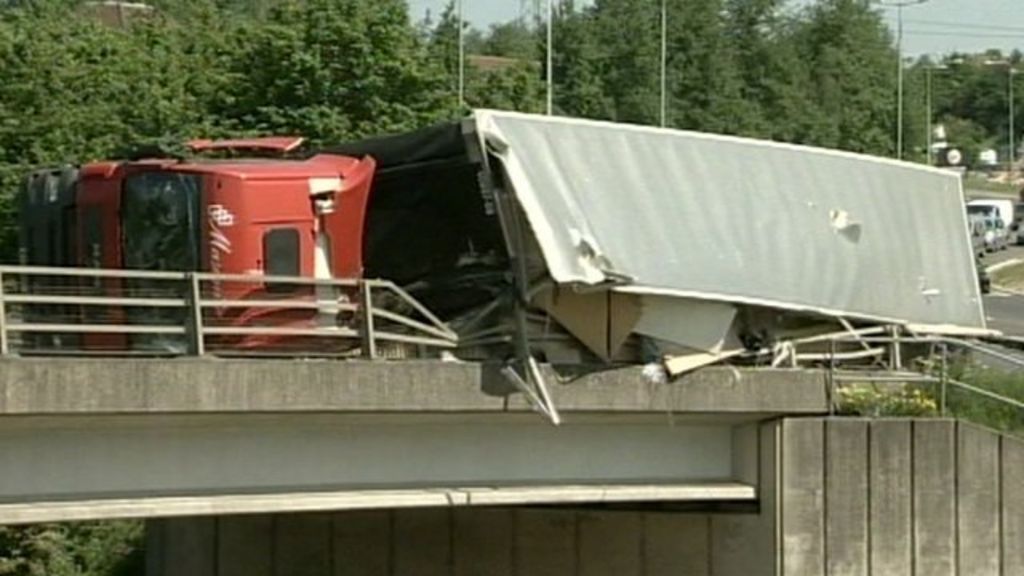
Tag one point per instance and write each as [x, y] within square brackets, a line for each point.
[1010, 277]
[925, 400]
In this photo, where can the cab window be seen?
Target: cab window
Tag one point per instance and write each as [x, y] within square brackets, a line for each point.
[281, 252]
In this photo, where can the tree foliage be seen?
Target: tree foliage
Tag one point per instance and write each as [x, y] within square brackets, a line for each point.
[80, 549]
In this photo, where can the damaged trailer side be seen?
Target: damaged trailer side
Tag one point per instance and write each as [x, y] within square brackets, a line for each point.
[601, 241]
[711, 245]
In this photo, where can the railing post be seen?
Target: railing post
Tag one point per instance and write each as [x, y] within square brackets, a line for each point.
[943, 378]
[896, 350]
[833, 396]
[195, 307]
[366, 308]
[4, 345]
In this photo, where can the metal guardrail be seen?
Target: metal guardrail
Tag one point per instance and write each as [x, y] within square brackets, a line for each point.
[82, 310]
[892, 347]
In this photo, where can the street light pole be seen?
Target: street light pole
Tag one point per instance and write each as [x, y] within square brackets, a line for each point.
[664, 58]
[1013, 151]
[899, 5]
[928, 111]
[462, 56]
[550, 60]
[899, 83]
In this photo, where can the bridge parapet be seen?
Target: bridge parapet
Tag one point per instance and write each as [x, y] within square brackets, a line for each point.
[81, 386]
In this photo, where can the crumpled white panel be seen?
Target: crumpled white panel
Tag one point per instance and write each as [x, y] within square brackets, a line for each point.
[743, 221]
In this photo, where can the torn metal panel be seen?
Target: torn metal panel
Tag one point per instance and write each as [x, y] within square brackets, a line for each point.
[601, 321]
[696, 324]
[680, 363]
[710, 217]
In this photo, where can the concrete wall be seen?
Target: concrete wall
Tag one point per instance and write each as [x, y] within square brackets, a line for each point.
[449, 542]
[843, 497]
[922, 497]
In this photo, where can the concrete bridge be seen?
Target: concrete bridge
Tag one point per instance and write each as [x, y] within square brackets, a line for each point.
[272, 467]
[112, 438]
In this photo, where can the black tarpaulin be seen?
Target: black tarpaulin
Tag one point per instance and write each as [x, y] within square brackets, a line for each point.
[438, 143]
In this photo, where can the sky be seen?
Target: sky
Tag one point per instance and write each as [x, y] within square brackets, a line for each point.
[937, 27]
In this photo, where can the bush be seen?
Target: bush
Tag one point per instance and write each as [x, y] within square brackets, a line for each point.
[888, 400]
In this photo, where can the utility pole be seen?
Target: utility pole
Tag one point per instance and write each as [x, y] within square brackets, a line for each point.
[1013, 151]
[664, 59]
[462, 56]
[928, 111]
[899, 5]
[550, 60]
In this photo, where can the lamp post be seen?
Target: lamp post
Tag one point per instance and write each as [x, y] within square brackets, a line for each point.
[550, 60]
[1012, 160]
[462, 56]
[664, 59]
[899, 5]
[928, 112]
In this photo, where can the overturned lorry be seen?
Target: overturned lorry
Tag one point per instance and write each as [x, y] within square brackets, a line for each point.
[532, 237]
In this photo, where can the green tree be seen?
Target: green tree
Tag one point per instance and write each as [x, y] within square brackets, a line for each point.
[335, 70]
[849, 52]
[443, 46]
[772, 74]
[513, 39]
[630, 56]
[577, 59]
[516, 87]
[705, 83]
[112, 548]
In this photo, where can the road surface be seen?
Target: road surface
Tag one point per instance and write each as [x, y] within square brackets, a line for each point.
[974, 194]
[1005, 312]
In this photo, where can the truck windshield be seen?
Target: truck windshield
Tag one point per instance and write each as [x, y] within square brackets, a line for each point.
[158, 222]
[159, 215]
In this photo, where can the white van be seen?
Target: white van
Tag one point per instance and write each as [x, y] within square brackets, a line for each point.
[1002, 209]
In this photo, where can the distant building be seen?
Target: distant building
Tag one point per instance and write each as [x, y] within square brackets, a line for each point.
[494, 63]
[988, 157]
[114, 13]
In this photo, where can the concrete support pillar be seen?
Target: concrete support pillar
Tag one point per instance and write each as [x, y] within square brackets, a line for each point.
[1012, 504]
[890, 510]
[803, 497]
[977, 497]
[934, 481]
[846, 498]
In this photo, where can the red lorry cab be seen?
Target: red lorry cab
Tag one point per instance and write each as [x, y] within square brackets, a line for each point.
[253, 216]
[231, 217]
